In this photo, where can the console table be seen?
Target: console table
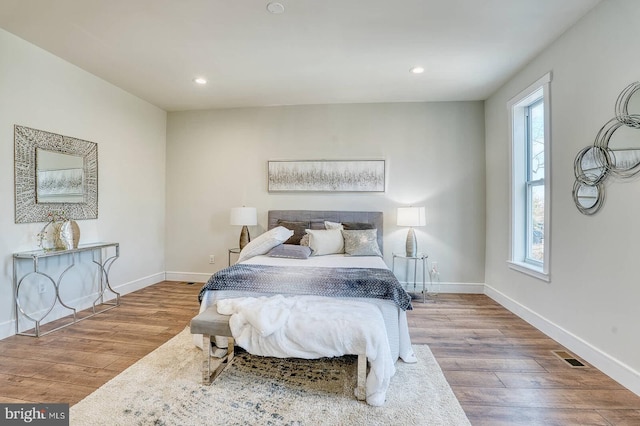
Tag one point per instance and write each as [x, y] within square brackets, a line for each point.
[35, 256]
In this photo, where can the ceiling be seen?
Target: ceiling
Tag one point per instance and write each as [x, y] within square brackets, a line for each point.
[316, 52]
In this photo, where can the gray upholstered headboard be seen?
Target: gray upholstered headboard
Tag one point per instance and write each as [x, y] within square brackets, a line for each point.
[319, 216]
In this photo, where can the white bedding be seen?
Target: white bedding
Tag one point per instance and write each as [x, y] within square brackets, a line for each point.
[330, 261]
[280, 326]
[395, 319]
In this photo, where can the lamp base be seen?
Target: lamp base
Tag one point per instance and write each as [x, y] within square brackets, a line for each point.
[412, 244]
[244, 237]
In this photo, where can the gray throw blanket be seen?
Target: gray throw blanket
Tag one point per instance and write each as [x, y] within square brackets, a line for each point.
[332, 282]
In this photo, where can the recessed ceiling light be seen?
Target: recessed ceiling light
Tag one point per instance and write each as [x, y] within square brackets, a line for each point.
[417, 70]
[275, 8]
[200, 80]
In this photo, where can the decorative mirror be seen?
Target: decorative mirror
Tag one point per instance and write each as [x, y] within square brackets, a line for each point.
[588, 198]
[592, 165]
[54, 173]
[618, 156]
[59, 177]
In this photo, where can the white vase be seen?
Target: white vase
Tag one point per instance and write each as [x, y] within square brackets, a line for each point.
[50, 236]
[70, 234]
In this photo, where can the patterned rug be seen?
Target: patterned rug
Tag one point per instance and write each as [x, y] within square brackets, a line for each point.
[164, 388]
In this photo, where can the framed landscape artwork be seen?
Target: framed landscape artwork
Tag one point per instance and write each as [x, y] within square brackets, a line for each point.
[327, 176]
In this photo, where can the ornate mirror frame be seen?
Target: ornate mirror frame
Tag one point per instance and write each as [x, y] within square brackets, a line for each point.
[26, 143]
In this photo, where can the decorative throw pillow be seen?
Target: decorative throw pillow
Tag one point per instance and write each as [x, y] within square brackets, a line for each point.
[328, 241]
[290, 251]
[332, 225]
[265, 242]
[355, 226]
[297, 228]
[361, 242]
[304, 241]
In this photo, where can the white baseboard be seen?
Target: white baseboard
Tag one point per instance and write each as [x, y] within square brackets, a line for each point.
[190, 277]
[140, 283]
[446, 287]
[8, 328]
[610, 366]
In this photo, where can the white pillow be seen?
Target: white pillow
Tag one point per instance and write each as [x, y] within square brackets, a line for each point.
[322, 242]
[265, 242]
[332, 225]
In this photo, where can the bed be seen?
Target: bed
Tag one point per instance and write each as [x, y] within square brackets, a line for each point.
[275, 264]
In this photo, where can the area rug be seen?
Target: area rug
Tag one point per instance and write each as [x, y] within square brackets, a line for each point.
[164, 388]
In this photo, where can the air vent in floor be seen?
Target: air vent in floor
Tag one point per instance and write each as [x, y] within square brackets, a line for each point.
[571, 360]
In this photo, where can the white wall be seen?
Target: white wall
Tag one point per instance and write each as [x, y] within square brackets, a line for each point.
[42, 91]
[591, 303]
[434, 156]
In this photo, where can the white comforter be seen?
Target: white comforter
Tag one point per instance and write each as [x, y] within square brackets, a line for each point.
[280, 326]
[395, 319]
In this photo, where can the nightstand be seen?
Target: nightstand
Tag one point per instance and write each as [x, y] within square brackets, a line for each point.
[234, 251]
[418, 258]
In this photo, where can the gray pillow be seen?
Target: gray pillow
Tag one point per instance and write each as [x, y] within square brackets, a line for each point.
[291, 251]
[315, 224]
[355, 226]
[361, 242]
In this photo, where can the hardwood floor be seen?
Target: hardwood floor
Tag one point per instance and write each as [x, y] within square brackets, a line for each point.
[69, 364]
[503, 372]
[500, 368]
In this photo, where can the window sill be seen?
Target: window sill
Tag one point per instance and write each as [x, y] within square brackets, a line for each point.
[530, 270]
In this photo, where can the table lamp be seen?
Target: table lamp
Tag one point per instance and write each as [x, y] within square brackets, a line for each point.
[244, 216]
[411, 216]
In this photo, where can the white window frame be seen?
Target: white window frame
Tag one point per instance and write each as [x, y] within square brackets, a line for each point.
[517, 107]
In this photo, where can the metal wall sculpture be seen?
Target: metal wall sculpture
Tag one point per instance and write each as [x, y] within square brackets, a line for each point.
[597, 162]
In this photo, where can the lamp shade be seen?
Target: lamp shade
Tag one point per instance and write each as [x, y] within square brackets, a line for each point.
[243, 216]
[411, 216]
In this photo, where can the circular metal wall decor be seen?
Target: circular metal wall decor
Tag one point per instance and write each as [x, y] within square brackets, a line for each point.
[595, 163]
[588, 198]
[631, 119]
[592, 165]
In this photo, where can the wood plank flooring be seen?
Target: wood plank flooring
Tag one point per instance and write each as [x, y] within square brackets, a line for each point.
[500, 368]
[69, 364]
[503, 372]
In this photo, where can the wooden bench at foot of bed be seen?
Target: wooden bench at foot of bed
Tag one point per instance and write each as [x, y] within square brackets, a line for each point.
[210, 323]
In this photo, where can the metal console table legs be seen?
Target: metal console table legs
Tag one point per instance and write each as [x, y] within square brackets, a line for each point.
[104, 266]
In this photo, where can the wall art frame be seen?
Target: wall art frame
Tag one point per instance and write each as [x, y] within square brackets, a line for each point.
[26, 142]
[326, 176]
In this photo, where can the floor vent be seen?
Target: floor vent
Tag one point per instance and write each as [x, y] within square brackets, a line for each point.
[571, 360]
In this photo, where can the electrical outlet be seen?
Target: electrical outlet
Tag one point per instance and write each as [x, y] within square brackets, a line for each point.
[212, 259]
[42, 288]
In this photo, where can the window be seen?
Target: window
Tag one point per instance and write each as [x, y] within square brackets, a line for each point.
[530, 183]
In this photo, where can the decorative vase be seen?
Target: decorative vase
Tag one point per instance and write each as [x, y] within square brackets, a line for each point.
[69, 234]
[49, 237]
